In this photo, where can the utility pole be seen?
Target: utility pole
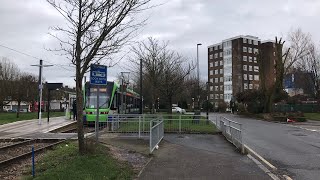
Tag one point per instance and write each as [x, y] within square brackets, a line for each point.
[40, 88]
[198, 75]
[123, 96]
[141, 97]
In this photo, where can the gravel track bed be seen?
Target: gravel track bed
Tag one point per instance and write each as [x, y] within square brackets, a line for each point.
[18, 150]
[18, 169]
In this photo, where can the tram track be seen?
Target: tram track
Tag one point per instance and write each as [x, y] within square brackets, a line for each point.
[19, 151]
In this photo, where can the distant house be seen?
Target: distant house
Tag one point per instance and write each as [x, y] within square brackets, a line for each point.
[298, 82]
[13, 106]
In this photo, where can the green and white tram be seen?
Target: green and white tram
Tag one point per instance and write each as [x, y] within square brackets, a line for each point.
[113, 99]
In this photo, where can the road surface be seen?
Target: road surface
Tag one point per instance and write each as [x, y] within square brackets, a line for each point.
[294, 151]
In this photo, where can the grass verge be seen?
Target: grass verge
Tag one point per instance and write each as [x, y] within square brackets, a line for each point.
[312, 116]
[12, 117]
[64, 162]
[174, 124]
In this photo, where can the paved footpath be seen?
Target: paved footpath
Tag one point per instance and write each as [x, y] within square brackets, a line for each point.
[200, 157]
[31, 128]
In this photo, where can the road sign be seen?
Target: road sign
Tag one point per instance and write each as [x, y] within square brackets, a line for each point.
[98, 74]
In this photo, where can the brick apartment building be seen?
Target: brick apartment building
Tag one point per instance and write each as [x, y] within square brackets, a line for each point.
[233, 66]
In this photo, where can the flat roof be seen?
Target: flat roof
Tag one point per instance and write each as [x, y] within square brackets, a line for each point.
[236, 37]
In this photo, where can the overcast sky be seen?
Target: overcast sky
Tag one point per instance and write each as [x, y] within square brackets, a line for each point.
[24, 26]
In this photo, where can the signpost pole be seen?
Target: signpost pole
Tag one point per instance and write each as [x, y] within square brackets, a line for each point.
[97, 117]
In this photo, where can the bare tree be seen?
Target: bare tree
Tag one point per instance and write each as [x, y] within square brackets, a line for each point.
[95, 30]
[8, 74]
[164, 70]
[276, 88]
[25, 89]
[299, 44]
[311, 64]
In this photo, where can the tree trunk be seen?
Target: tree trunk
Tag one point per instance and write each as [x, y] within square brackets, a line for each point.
[79, 113]
[18, 110]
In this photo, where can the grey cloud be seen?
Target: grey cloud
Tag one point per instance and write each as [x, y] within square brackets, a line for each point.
[24, 26]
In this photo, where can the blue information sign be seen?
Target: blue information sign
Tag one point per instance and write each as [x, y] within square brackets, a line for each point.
[98, 74]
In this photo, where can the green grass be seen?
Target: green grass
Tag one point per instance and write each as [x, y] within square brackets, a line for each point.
[312, 116]
[64, 162]
[12, 117]
[172, 124]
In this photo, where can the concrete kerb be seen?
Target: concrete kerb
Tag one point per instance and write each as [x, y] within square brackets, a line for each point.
[260, 158]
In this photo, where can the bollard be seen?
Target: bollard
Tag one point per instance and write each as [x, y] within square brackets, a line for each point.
[33, 170]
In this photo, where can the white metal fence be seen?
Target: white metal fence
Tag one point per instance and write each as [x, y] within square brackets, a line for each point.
[156, 133]
[232, 130]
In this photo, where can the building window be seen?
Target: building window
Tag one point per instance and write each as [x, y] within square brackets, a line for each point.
[256, 77]
[211, 56]
[245, 58]
[211, 80]
[250, 77]
[211, 96]
[211, 88]
[221, 79]
[216, 71]
[221, 71]
[217, 96]
[220, 54]
[215, 55]
[250, 86]
[221, 87]
[221, 96]
[245, 86]
[255, 50]
[255, 59]
[244, 40]
[250, 50]
[221, 63]
[274, 53]
[211, 49]
[249, 41]
[250, 59]
[244, 49]
[228, 78]
[211, 72]
[244, 67]
[216, 88]
[255, 42]
[256, 68]
[245, 76]
[216, 80]
[216, 63]
[211, 64]
[250, 68]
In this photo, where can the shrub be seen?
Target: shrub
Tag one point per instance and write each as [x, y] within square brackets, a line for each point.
[222, 106]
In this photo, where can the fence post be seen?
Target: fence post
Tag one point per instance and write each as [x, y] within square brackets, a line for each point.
[143, 120]
[139, 127]
[150, 137]
[180, 123]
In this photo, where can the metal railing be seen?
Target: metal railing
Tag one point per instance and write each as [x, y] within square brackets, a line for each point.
[156, 133]
[187, 124]
[232, 130]
[133, 125]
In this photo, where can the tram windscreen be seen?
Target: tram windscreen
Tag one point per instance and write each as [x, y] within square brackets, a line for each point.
[104, 97]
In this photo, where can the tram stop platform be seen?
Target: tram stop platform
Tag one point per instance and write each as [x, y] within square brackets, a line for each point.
[31, 129]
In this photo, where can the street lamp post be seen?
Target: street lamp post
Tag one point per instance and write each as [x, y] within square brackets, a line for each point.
[198, 75]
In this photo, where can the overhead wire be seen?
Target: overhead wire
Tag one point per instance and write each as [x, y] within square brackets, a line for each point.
[34, 57]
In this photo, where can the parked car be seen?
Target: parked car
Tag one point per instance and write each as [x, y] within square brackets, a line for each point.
[178, 110]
